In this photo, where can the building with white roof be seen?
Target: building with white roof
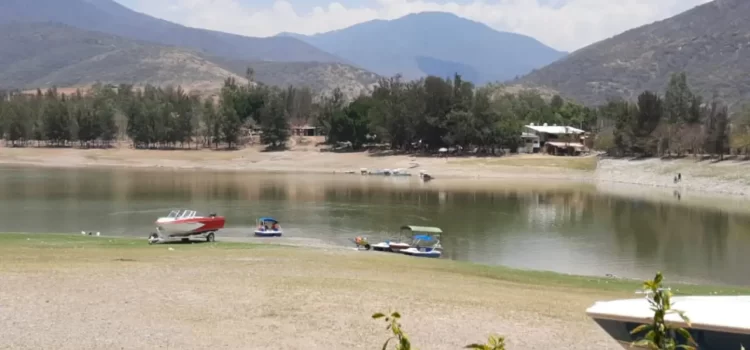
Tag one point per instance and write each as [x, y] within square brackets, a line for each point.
[554, 129]
[556, 139]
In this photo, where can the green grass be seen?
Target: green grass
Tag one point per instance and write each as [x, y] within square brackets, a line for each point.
[67, 241]
[535, 161]
[554, 279]
[36, 249]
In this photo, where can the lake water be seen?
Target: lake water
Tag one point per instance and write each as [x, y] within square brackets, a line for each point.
[565, 228]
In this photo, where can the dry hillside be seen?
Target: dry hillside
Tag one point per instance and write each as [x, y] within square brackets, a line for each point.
[711, 43]
[111, 17]
[39, 55]
[321, 77]
[44, 54]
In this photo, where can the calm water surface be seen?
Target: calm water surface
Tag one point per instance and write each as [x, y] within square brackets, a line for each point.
[570, 229]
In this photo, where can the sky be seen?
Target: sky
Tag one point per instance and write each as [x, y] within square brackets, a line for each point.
[562, 24]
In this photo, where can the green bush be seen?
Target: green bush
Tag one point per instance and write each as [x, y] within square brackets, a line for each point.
[660, 335]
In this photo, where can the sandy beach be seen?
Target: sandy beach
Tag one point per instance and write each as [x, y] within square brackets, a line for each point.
[298, 160]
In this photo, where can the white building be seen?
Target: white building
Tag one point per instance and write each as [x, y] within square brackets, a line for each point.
[556, 139]
[530, 143]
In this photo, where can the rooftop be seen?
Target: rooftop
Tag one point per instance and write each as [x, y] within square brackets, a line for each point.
[554, 129]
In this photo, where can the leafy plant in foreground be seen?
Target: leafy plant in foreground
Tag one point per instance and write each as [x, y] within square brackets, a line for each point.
[493, 343]
[660, 335]
[395, 327]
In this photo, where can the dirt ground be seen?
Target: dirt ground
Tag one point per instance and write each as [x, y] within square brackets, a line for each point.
[56, 295]
[303, 157]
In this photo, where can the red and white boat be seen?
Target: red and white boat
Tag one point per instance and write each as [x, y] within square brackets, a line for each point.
[185, 223]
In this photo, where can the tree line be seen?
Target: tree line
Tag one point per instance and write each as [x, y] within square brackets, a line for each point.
[150, 117]
[419, 115]
[677, 123]
[433, 112]
[424, 114]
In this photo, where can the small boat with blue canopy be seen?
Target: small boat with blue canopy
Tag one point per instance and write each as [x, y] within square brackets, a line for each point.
[425, 242]
[268, 227]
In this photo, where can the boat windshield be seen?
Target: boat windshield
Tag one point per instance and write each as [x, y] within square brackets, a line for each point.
[425, 240]
[183, 214]
[267, 220]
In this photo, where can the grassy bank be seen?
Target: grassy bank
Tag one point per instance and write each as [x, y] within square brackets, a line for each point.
[103, 292]
[33, 249]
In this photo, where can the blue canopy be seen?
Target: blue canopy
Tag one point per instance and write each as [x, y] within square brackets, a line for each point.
[423, 237]
[264, 219]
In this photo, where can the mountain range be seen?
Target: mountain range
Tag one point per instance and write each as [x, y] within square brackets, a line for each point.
[108, 16]
[435, 43]
[710, 42]
[78, 42]
[101, 40]
[46, 54]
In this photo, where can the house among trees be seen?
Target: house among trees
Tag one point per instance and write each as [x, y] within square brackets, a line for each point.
[556, 140]
[529, 143]
[305, 130]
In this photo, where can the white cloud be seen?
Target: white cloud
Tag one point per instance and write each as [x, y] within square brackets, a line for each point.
[567, 26]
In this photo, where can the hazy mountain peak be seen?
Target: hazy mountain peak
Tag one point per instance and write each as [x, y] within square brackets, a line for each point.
[434, 42]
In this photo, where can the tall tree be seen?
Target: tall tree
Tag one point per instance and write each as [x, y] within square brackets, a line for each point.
[331, 107]
[275, 122]
[646, 121]
[677, 106]
[740, 130]
[351, 124]
[230, 126]
[716, 130]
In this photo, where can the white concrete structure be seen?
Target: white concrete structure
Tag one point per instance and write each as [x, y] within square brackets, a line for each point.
[716, 322]
[561, 139]
[530, 143]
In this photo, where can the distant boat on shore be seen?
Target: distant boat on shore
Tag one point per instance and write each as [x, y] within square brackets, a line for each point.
[263, 229]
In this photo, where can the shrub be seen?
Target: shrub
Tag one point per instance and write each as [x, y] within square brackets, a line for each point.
[660, 335]
[395, 327]
[403, 343]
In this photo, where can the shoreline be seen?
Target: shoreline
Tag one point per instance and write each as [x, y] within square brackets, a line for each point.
[529, 276]
[560, 279]
[727, 179]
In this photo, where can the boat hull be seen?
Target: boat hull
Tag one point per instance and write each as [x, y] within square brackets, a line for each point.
[706, 339]
[420, 253]
[381, 247]
[189, 227]
[395, 247]
[268, 233]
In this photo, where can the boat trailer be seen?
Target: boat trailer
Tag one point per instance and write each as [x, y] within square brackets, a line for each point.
[158, 237]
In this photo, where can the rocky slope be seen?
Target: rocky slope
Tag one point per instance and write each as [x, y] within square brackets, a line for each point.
[711, 43]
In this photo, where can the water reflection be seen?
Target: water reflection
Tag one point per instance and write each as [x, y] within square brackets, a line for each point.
[564, 228]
